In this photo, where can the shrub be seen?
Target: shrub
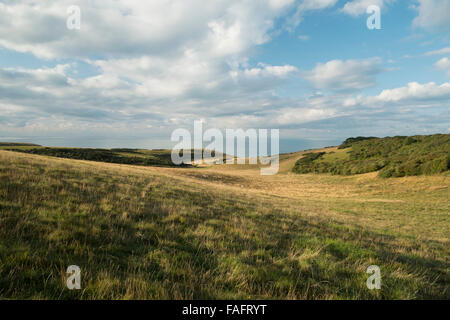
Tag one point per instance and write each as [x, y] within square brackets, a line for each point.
[409, 140]
[307, 165]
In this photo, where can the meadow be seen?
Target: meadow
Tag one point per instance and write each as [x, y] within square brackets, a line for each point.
[218, 232]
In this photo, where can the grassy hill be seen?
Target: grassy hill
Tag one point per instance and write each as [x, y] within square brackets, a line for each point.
[391, 156]
[17, 144]
[121, 156]
[219, 232]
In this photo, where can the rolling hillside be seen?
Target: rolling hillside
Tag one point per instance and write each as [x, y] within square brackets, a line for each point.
[217, 232]
[137, 157]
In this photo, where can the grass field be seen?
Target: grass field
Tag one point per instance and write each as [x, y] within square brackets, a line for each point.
[218, 232]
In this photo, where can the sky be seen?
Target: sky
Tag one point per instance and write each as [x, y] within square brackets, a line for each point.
[137, 70]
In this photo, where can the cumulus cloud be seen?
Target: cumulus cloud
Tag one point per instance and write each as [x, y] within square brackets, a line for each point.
[416, 92]
[413, 95]
[36, 98]
[348, 75]
[316, 4]
[265, 71]
[404, 108]
[164, 59]
[433, 14]
[307, 5]
[414, 108]
[153, 55]
[444, 65]
[134, 27]
[165, 48]
[438, 52]
[359, 7]
[107, 27]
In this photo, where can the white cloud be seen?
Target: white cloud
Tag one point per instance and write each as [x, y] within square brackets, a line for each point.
[349, 75]
[433, 14]
[125, 28]
[160, 49]
[416, 92]
[438, 52]
[359, 7]
[406, 99]
[134, 27]
[129, 91]
[277, 4]
[117, 109]
[164, 58]
[444, 65]
[267, 70]
[316, 4]
[305, 6]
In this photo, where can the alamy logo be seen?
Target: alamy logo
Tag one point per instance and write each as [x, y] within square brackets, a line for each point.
[74, 280]
[374, 21]
[74, 20]
[374, 281]
[235, 147]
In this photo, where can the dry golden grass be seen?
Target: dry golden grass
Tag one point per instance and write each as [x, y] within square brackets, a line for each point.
[218, 232]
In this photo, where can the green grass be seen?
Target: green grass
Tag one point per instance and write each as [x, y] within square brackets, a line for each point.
[150, 233]
[392, 156]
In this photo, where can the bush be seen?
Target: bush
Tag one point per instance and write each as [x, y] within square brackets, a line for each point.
[410, 140]
[307, 165]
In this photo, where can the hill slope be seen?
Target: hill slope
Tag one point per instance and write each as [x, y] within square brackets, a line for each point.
[392, 156]
[137, 157]
[216, 233]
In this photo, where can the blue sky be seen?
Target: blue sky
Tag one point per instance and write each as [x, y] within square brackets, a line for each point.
[136, 70]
